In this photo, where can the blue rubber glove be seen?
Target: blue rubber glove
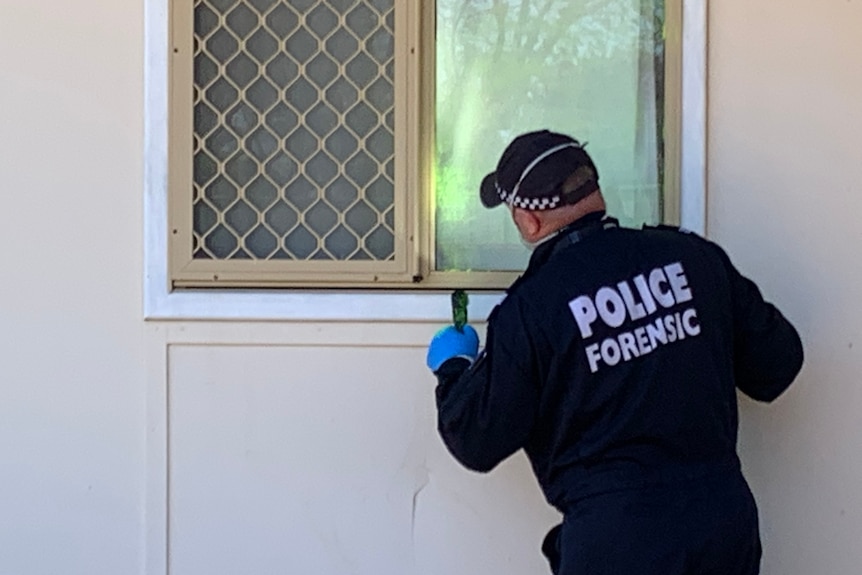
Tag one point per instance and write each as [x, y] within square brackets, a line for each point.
[449, 343]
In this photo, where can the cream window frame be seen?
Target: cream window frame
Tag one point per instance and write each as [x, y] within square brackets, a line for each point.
[161, 301]
[671, 194]
[186, 271]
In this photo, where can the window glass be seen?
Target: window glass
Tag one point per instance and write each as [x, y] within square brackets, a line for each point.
[593, 69]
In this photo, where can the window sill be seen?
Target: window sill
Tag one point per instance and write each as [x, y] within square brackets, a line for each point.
[251, 305]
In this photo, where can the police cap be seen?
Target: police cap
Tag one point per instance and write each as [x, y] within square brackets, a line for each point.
[533, 168]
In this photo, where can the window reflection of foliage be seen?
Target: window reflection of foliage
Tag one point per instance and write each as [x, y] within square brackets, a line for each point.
[500, 62]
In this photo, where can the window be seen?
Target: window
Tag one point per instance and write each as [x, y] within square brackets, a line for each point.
[340, 143]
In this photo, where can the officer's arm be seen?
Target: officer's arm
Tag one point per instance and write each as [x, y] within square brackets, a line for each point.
[486, 410]
[767, 349]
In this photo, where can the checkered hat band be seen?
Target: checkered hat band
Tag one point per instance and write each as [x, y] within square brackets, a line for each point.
[528, 203]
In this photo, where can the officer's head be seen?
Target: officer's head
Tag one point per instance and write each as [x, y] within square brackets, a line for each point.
[547, 179]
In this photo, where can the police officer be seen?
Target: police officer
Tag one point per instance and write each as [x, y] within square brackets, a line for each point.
[614, 363]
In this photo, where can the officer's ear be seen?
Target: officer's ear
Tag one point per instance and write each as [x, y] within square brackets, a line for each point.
[528, 223]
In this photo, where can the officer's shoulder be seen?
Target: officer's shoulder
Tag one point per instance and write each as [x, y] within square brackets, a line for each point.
[676, 233]
[707, 246]
[512, 300]
[671, 229]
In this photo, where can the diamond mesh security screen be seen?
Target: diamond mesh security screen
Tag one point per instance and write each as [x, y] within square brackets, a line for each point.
[294, 130]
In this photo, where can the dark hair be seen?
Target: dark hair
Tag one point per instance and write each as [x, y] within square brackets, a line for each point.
[579, 184]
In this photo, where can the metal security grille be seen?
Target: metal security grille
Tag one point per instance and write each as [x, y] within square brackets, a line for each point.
[294, 130]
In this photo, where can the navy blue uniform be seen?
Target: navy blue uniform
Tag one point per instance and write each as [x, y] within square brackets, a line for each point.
[614, 363]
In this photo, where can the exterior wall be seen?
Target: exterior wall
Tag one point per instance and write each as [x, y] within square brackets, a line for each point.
[72, 358]
[312, 448]
[785, 196]
[318, 469]
[312, 445]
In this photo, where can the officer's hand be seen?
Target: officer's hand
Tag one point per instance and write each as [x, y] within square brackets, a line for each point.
[449, 343]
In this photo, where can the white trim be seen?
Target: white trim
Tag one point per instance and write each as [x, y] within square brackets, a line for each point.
[156, 532]
[156, 517]
[160, 303]
[694, 98]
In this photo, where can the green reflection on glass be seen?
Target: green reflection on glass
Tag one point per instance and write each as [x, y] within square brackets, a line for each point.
[591, 68]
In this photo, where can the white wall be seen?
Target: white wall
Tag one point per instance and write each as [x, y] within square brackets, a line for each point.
[785, 197]
[72, 389]
[312, 449]
[88, 389]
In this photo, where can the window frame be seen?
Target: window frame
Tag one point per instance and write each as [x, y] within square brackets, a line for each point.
[187, 271]
[480, 280]
[399, 302]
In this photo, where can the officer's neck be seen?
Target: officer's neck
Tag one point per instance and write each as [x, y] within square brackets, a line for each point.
[543, 225]
[579, 222]
[544, 249]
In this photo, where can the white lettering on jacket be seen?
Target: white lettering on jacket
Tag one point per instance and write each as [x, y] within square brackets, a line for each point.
[619, 306]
